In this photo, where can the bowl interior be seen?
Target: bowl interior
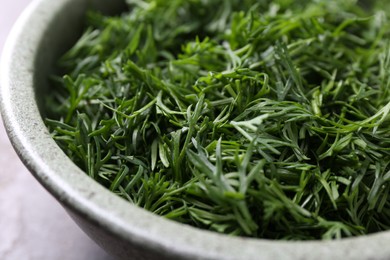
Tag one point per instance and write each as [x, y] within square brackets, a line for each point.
[60, 36]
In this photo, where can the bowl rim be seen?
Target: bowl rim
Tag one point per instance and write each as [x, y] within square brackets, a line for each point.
[74, 189]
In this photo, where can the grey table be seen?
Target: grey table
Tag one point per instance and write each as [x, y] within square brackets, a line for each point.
[32, 224]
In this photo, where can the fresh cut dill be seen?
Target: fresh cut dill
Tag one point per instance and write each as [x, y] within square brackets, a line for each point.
[259, 118]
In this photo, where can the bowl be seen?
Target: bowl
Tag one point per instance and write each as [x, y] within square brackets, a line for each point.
[44, 31]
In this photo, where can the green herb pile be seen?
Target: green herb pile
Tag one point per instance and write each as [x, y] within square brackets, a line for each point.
[257, 118]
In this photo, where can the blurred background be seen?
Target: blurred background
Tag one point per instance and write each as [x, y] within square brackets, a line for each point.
[32, 224]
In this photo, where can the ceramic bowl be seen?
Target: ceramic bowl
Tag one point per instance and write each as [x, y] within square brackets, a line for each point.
[44, 31]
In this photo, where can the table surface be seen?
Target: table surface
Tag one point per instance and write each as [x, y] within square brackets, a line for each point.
[32, 224]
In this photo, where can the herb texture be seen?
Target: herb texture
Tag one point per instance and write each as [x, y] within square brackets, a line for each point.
[267, 119]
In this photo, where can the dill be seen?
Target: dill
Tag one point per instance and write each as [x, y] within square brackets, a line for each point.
[266, 119]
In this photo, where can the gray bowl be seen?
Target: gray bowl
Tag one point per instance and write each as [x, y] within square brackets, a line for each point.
[44, 31]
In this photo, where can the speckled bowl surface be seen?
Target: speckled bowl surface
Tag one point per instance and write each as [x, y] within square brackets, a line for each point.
[44, 31]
